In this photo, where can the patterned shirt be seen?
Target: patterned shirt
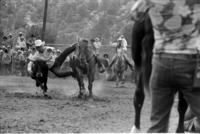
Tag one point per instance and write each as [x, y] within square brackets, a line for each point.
[176, 24]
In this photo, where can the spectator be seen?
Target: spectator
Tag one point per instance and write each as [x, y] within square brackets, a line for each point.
[22, 62]
[58, 52]
[31, 40]
[175, 55]
[21, 42]
[17, 64]
[6, 61]
[10, 41]
[1, 65]
[5, 41]
[31, 56]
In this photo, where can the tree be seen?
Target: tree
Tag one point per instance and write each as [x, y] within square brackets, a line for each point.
[93, 5]
[20, 19]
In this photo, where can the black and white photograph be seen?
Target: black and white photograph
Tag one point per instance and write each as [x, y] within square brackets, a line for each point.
[99, 66]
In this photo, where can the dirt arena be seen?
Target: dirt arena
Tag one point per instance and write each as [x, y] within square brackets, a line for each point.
[112, 111]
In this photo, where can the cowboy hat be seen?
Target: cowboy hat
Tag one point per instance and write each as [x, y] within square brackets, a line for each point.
[39, 43]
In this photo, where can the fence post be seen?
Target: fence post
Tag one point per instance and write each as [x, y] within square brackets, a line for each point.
[44, 19]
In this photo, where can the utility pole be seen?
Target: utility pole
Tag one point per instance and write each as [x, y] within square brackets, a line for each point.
[44, 19]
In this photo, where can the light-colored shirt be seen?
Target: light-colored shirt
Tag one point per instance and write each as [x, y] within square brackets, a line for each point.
[176, 24]
[31, 56]
[20, 43]
[96, 47]
[42, 56]
[124, 44]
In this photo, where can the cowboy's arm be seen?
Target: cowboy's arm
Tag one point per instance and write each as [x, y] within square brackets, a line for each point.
[43, 58]
[39, 57]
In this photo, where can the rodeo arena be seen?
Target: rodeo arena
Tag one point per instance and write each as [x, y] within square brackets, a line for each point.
[141, 78]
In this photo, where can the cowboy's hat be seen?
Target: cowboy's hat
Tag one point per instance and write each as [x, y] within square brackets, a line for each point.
[39, 43]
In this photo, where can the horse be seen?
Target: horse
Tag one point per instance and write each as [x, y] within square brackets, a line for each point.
[120, 66]
[40, 70]
[142, 46]
[84, 63]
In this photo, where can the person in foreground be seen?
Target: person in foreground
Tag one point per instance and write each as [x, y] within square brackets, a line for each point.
[175, 63]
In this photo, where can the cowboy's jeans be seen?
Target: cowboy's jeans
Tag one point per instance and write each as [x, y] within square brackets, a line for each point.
[171, 73]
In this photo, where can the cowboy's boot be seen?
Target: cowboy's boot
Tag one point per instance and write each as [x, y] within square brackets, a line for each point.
[129, 63]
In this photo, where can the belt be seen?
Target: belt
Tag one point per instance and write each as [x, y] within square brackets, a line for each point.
[176, 56]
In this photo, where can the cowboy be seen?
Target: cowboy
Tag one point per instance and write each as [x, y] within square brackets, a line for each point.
[53, 65]
[123, 43]
[39, 55]
[121, 48]
[96, 45]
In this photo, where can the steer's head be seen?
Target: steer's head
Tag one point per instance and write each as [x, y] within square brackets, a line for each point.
[41, 71]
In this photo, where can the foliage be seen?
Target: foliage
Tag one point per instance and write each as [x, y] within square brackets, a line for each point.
[68, 19]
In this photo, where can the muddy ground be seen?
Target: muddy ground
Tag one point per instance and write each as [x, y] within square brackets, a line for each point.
[112, 111]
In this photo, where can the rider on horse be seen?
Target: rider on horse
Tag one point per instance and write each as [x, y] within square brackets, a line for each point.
[121, 49]
[96, 44]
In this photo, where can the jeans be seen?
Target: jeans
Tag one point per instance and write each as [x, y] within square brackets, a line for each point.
[171, 73]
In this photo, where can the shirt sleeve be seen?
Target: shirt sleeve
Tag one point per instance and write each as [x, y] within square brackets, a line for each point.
[139, 8]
